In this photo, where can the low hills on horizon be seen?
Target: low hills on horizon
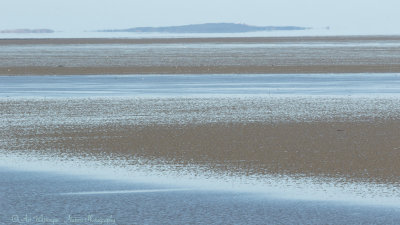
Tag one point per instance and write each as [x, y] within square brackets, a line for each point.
[207, 28]
[191, 28]
[26, 31]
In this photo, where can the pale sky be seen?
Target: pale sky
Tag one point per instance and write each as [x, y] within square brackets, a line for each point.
[79, 15]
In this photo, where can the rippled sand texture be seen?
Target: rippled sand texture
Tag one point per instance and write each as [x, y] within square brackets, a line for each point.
[201, 55]
[348, 138]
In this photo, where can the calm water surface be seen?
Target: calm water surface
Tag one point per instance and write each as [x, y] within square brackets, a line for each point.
[47, 198]
[201, 85]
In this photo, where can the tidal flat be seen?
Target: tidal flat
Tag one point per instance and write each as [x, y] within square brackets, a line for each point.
[294, 141]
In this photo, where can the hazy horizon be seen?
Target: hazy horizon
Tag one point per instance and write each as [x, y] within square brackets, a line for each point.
[356, 15]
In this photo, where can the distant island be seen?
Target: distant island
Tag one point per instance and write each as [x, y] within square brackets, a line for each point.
[208, 28]
[27, 31]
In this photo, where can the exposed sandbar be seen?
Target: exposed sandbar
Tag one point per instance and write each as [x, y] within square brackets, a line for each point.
[361, 144]
[271, 55]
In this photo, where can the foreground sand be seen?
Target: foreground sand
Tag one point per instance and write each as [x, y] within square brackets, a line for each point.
[367, 151]
[238, 136]
[354, 54]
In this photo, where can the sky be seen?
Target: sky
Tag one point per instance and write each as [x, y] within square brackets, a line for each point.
[380, 16]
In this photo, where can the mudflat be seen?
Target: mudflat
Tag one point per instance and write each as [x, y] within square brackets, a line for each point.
[262, 55]
[359, 151]
[356, 140]
[346, 137]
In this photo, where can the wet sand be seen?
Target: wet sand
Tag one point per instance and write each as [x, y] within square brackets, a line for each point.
[358, 151]
[302, 140]
[345, 138]
[355, 54]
